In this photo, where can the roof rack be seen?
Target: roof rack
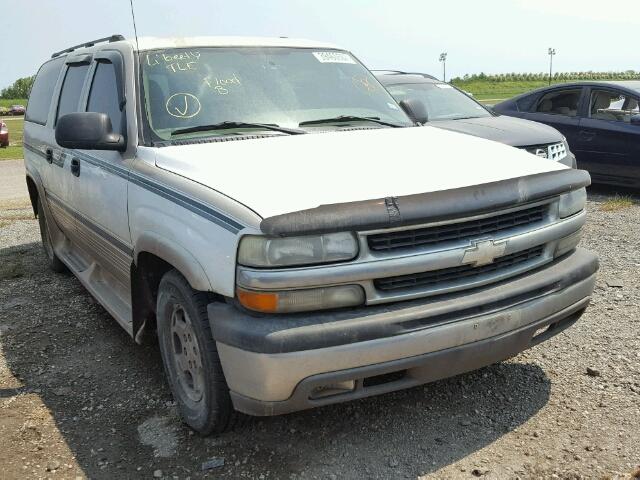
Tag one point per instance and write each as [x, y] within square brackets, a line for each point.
[400, 72]
[112, 38]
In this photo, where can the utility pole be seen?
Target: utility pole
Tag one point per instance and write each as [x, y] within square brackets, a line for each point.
[443, 59]
[552, 52]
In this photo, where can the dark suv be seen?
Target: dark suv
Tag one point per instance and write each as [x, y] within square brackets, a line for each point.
[445, 106]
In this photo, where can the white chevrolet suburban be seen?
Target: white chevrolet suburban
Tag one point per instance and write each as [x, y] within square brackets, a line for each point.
[270, 211]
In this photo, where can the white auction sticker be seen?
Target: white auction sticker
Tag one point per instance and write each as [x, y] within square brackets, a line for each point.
[443, 85]
[333, 57]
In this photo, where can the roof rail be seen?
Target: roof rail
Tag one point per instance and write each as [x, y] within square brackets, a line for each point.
[400, 72]
[112, 38]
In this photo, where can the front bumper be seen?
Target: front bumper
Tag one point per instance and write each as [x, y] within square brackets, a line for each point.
[277, 364]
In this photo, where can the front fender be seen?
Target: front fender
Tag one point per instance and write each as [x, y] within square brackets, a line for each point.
[176, 255]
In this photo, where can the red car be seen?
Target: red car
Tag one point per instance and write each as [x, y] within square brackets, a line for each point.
[16, 110]
[4, 135]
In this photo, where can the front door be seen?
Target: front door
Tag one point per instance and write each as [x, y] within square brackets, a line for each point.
[100, 185]
[560, 109]
[610, 141]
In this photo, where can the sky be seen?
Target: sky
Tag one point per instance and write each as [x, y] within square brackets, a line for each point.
[491, 36]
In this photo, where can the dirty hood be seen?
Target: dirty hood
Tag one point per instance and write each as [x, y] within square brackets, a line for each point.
[510, 130]
[283, 174]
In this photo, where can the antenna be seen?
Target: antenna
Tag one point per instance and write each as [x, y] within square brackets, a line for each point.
[135, 29]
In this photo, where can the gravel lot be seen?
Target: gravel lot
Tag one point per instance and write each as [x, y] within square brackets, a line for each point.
[78, 399]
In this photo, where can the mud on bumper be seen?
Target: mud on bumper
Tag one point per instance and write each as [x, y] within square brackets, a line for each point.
[280, 364]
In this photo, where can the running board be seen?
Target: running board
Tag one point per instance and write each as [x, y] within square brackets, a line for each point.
[103, 286]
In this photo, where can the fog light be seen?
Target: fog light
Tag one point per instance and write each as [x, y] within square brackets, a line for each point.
[567, 244]
[287, 301]
[332, 389]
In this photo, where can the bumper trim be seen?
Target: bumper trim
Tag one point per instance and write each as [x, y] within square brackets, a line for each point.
[416, 370]
[280, 334]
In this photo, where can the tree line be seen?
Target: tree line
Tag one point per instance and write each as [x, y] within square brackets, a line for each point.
[20, 88]
[558, 76]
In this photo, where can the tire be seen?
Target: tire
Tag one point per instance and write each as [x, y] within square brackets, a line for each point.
[190, 357]
[53, 261]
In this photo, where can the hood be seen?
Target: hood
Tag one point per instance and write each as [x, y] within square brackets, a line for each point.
[516, 132]
[283, 174]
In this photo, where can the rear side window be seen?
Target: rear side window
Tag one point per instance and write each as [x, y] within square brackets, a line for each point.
[560, 102]
[103, 97]
[71, 89]
[525, 104]
[42, 91]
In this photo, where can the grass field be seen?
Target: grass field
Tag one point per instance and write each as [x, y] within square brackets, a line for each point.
[494, 92]
[16, 125]
[14, 150]
[7, 102]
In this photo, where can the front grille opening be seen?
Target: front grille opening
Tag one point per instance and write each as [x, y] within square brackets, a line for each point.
[384, 378]
[466, 230]
[456, 274]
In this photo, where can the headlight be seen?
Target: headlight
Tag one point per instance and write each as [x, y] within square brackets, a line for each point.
[261, 251]
[572, 203]
[311, 299]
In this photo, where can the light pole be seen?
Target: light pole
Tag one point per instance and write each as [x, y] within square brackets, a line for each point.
[552, 52]
[443, 59]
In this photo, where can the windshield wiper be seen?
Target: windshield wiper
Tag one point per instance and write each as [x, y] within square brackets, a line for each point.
[229, 125]
[349, 118]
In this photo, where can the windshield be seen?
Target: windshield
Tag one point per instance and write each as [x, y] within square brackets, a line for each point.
[187, 88]
[442, 101]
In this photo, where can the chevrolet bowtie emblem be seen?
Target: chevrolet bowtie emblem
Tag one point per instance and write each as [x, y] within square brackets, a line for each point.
[484, 252]
[542, 152]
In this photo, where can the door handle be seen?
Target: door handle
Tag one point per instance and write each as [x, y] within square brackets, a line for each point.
[75, 167]
[49, 155]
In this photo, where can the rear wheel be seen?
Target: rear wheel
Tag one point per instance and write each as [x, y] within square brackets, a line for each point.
[53, 261]
[190, 357]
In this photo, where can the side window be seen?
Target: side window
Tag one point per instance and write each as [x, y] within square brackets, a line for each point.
[103, 97]
[42, 91]
[612, 106]
[526, 103]
[560, 102]
[71, 89]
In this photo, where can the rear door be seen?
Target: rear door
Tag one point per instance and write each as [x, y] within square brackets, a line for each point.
[560, 108]
[100, 186]
[59, 178]
[610, 143]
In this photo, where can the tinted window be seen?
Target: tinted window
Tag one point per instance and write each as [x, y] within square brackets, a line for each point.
[525, 104]
[103, 97]
[612, 106]
[442, 101]
[560, 102]
[71, 89]
[42, 91]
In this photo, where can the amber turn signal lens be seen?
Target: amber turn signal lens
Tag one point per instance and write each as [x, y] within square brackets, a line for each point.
[258, 301]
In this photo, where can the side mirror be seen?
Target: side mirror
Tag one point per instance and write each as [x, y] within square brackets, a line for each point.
[635, 119]
[415, 109]
[88, 131]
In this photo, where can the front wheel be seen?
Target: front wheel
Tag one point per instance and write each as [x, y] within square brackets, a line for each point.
[190, 357]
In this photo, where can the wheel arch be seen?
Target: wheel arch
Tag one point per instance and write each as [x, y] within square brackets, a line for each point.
[155, 255]
[34, 193]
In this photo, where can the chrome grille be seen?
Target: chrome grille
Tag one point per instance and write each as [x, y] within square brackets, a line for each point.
[553, 151]
[466, 230]
[465, 273]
